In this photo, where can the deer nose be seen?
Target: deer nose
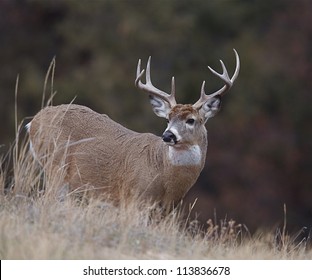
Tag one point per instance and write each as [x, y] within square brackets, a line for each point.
[169, 137]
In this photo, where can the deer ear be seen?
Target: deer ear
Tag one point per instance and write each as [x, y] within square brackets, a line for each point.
[160, 107]
[210, 108]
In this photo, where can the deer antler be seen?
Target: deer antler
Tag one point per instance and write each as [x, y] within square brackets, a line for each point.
[224, 77]
[148, 86]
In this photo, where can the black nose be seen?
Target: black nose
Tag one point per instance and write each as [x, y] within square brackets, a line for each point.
[168, 137]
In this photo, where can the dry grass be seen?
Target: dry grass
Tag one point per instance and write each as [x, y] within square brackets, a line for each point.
[38, 221]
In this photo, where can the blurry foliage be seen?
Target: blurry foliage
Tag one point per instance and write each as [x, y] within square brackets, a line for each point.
[259, 155]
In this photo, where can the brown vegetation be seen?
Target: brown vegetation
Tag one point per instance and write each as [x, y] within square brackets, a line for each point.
[39, 221]
[259, 153]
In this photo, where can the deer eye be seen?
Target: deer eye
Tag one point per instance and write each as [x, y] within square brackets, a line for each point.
[190, 121]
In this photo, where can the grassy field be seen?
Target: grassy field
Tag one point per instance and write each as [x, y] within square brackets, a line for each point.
[51, 224]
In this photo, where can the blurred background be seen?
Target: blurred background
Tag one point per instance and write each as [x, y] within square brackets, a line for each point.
[259, 156]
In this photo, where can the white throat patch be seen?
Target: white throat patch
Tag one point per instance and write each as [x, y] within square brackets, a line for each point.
[191, 156]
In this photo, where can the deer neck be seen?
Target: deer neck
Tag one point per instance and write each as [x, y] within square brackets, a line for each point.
[189, 155]
[185, 156]
[182, 168]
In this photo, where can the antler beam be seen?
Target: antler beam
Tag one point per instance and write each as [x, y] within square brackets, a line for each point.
[224, 77]
[148, 86]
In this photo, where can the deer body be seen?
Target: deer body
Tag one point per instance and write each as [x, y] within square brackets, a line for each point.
[131, 161]
[114, 161]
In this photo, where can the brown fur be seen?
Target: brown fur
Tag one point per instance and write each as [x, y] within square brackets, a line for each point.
[182, 111]
[99, 153]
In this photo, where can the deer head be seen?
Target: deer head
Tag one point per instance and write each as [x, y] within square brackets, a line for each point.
[184, 121]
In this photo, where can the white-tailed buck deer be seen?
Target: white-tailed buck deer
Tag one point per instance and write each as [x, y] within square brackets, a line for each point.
[102, 156]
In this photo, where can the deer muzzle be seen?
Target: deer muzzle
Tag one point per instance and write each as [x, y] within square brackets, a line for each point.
[169, 138]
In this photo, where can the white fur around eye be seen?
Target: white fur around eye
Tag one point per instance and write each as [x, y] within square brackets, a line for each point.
[190, 122]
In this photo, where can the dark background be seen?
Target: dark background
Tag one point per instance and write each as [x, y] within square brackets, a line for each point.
[259, 155]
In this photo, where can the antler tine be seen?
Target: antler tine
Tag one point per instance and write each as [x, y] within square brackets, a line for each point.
[224, 77]
[172, 95]
[148, 71]
[139, 74]
[148, 86]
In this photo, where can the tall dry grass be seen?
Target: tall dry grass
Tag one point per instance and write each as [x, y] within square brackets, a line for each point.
[39, 220]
